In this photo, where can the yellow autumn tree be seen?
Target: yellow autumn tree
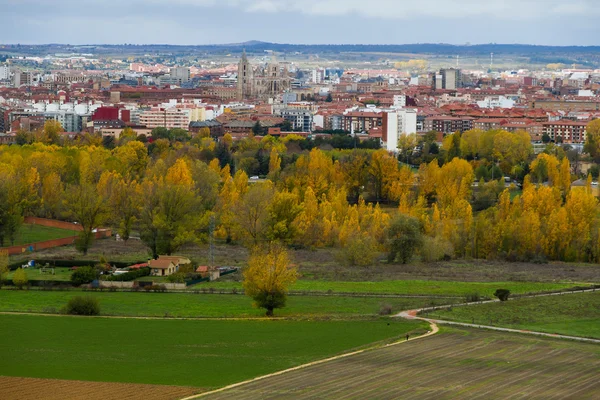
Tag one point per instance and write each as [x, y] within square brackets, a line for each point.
[268, 277]
[179, 174]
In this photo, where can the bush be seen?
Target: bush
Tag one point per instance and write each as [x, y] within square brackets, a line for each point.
[436, 249]
[360, 250]
[385, 309]
[502, 294]
[83, 305]
[20, 278]
[83, 275]
[178, 277]
[155, 288]
[472, 297]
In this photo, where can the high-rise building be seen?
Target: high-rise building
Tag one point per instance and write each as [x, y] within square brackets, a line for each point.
[4, 72]
[394, 124]
[449, 79]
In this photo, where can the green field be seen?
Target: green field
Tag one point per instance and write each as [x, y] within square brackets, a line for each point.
[189, 353]
[204, 305]
[409, 287]
[60, 274]
[37, 233]
[575, 314]
[455, 364]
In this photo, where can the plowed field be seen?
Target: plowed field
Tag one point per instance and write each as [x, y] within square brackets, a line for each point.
[56, 389]
[454, 364]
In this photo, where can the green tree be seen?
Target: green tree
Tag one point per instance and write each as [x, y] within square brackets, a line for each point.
[546, 138]
[3, 266]
[257, 128]
[404, 238]
[592, 142]
[179, 135]
[20, 278]
[160, 133]
[268, 276]
[329, 98]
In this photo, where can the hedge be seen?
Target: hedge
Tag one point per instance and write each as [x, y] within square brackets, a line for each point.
[71, 263]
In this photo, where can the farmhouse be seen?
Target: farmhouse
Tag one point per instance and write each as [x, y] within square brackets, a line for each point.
[167, 265]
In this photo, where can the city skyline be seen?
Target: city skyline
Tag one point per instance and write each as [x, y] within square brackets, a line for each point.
[309, 22]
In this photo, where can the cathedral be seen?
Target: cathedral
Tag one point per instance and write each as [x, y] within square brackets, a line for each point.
[262, 82]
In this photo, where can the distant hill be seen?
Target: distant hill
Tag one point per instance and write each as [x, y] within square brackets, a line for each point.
[585, 55]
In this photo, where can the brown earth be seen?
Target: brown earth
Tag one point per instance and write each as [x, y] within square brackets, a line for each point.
[12, 388]
[322, 264]
[456, 364]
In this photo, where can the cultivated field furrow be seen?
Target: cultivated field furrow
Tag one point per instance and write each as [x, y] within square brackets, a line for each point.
[54, 389]
[455, 364]
[570, 368]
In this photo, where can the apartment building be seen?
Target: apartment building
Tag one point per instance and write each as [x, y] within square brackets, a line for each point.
[165, 117]
[567, 131]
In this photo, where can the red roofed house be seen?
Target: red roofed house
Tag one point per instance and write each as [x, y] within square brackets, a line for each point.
[166, 265]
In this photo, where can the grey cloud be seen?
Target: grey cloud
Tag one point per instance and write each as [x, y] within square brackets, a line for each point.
[299, 21]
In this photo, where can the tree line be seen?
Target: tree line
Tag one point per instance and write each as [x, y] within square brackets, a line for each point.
[363, 201]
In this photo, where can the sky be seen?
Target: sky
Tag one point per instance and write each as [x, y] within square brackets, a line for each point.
[544, 22]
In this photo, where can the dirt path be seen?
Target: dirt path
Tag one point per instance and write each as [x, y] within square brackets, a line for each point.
[413, 314]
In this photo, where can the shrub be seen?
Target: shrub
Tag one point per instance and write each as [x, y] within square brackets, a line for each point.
[360, 250]
[178, 277]
[472, 297]
[83, 305]
[385, 309]
[502, 294]
[435, 249]
[83, 275]
[20, 278]
[155, 288]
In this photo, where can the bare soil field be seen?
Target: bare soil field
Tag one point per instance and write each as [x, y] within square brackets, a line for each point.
[322, 264]
[55, 389]
[457, 363]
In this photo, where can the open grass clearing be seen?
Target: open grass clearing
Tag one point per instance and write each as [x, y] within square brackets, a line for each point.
[576, 314]
[29, 233]
[203, 354]
[407, 287]
[136, 304]
[453, 364]
[58, 389]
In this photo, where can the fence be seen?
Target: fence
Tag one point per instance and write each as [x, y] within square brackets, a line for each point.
[48, 244]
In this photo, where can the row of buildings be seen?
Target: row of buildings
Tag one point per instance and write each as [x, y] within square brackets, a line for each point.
[378, 104]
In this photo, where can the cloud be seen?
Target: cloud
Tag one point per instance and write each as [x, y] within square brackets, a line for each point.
[403, 10]
[299, 21]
